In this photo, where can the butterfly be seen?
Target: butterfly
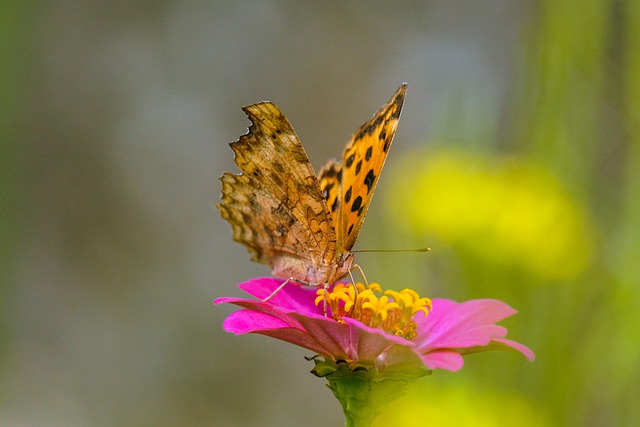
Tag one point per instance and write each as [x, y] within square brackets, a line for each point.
[300, 224]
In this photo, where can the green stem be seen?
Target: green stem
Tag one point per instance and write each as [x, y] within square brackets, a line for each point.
[365, 393]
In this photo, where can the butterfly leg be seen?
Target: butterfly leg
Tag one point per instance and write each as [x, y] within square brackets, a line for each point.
[355, 288]
[324, 302]
[366, 282]
[278, 289]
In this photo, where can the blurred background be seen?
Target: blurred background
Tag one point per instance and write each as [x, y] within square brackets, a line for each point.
[517, 160]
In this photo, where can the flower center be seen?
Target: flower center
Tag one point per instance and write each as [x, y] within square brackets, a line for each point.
[392, 311]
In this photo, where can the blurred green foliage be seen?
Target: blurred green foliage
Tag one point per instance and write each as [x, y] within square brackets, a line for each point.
[518, 211]
[547, 220]
[463, 404]
[13, 43]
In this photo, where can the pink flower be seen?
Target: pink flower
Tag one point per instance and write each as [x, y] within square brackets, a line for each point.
[449, 331]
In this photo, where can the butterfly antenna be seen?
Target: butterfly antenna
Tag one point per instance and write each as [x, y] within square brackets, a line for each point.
[394, 250]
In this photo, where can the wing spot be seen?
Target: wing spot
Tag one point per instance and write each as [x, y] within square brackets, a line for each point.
[277, 179]
[347, 195]
[327, 190]
[350, 160]
[278, 167]
[368, 154]
[269, 233]
[373, 126]
[356, 204]
[283, 213]
[246, 218]
[331, 172]
[350, 229]
[386, 145]
[383, 134]
[334, 205]
[369, 180]
[281, 230]
[255, 207]
[358, 166]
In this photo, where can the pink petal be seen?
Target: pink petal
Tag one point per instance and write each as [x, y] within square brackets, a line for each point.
[247, 321]
[470, 323]
[483, 311]
[502, 344]
[297, 337]
[331, 336]
[481, 335]
[369, 344]
[446, 359]
[526, 351]
[398, 355]
[292, 296]
[258, 306]
[260, 287]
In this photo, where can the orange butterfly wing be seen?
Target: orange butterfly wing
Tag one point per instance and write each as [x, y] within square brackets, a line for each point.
[348, 186]
[275, 206]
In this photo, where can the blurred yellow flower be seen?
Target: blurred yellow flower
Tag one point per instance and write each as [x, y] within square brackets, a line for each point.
[505, 211]
[458, 406]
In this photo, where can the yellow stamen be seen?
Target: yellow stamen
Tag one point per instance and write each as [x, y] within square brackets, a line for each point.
[392, 312]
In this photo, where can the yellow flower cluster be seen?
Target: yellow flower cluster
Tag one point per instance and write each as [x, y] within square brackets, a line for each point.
[392, 312]
[504, 211]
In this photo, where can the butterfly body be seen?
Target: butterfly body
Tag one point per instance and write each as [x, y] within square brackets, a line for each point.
[301, 224]
[313, 274]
